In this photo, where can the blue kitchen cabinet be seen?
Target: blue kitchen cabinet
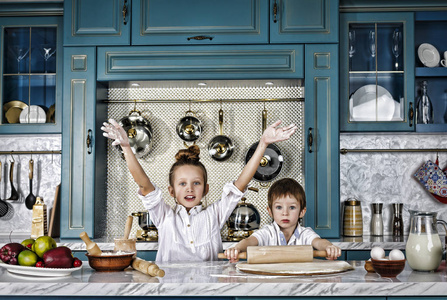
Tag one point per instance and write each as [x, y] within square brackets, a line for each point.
[31, 75]
[303, 21]
[377, 72]
[201, 62]
[83, 190]
[199, 22]
[99, 22]
[321, 129]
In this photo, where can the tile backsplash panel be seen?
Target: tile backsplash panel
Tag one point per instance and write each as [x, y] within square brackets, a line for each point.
[387, 177]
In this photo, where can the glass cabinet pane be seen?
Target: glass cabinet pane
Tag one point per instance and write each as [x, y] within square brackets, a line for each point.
[29, 74]
[376, 72]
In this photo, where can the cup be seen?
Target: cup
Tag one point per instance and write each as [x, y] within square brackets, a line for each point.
[444, 61]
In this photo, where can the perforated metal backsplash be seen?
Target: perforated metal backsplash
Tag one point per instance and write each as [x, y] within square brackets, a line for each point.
[242, 123]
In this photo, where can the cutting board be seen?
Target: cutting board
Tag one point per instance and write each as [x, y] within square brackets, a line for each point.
[317, 267]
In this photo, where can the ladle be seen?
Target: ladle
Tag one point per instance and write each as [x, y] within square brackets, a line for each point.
[30, 200]
[3, 205]
[14, 193]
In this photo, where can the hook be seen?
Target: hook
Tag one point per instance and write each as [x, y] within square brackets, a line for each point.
[31, 155]
[13, 160]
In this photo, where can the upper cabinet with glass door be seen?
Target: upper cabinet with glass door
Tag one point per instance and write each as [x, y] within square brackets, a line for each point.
[31, 71]
[376, 65]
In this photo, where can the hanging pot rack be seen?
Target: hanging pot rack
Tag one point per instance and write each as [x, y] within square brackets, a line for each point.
[346, 151]
[31, 152]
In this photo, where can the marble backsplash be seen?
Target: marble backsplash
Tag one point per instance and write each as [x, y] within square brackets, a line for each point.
[387, 177]
[47, 175]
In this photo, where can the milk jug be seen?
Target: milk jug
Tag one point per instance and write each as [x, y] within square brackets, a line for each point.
[424, 248]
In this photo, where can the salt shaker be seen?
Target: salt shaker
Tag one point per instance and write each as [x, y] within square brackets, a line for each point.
[398, 226]
[377, 220]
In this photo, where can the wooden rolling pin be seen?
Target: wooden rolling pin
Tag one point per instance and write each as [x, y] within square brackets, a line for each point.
[278, 254]
[92, 247]
[147, 267]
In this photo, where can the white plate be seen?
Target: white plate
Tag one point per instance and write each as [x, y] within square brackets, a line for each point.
[428, 55]
[364, 107]
[48, 272]
[36, 115]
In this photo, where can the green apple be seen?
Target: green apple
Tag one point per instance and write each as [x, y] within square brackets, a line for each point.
[28, 243]
[27, 258]
[43, 244]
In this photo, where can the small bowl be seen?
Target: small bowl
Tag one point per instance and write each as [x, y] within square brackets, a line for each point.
[368, 267]
[110, 263]
[388, 268]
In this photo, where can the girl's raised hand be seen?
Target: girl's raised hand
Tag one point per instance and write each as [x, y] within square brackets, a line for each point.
[272, 134]
[115, 131]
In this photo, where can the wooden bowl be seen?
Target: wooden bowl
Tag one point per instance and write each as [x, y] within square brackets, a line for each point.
[368, 267]
[388, 268]
[111, 262]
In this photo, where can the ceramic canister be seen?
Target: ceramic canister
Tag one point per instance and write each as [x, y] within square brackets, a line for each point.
[352, 218]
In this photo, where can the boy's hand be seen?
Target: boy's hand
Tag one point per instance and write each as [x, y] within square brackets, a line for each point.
[273, 134]
[115, 132]
[232, 254]
[333, 252]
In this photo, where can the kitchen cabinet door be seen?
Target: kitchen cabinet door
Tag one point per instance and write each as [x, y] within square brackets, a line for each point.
[31, 75]
[322, 151]
[83, 146]
[99, 22]
[199, 22]
[303, 21]
[377, 72]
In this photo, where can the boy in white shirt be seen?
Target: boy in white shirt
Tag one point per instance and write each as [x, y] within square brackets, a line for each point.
[286, 205]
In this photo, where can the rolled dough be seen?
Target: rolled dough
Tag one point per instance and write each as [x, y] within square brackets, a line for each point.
[317, 267]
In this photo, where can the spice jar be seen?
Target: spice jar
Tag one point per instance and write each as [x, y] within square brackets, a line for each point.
[352, 218]
[377, 220]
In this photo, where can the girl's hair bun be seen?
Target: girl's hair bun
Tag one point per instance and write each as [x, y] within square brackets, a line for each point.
[190, 154]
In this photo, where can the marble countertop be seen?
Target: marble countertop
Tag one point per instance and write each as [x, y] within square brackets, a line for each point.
[345, 243]
[222, 279]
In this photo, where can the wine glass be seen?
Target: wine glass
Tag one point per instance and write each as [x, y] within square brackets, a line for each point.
[19, 53]
[372, 43]
[396, 48]
[47, 51]
[351, 51]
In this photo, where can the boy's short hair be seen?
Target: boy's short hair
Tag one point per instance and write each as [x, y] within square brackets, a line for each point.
[284, 187]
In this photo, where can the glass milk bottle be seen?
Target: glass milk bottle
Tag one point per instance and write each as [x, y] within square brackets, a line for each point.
[423, 249]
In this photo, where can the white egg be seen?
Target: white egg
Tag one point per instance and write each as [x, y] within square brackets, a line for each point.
[396, 254]
[377, 253]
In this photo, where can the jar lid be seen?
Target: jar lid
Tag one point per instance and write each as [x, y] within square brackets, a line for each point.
[352, 202]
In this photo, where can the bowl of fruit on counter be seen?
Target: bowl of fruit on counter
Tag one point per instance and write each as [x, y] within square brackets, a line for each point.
[39, 257]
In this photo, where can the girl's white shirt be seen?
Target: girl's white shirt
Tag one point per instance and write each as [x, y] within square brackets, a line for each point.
[271, 235]
[193, 236]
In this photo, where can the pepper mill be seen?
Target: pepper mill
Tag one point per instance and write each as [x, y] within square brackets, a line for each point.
[398, 226]
[352, 218]
[377, 220]
[39, 226]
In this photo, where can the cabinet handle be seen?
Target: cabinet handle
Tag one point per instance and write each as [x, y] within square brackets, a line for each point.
[124, 12]
[411, 114]
[275, 12]
[310, 139]
[200, 37]
[89, 141]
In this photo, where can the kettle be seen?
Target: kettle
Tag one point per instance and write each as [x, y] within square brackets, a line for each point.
[245, 217]
[424, 248]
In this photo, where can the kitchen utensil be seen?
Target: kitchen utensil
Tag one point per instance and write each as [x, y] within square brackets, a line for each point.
[272, 161]
[316, 267]
[125, 244]
[14, 194]
[147, 267]
[424, 249]
[149, 231]
[245, 217]
[3, 205]
[371, 103]
[398, 226]
[220, 147]
[189, 128]
[377, 220]
[39, 226]
[33, 114]
[54, 224]
[30, 199]
[278, 254]
[92, 247]
[352, 218]
[109, 262]
[388, 268]
[139, 132]
[428, 55]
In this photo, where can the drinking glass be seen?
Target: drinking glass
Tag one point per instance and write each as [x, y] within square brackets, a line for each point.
[372, 43]
[19, 53]
[351, 51]
[397, 47]
[47, 51]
